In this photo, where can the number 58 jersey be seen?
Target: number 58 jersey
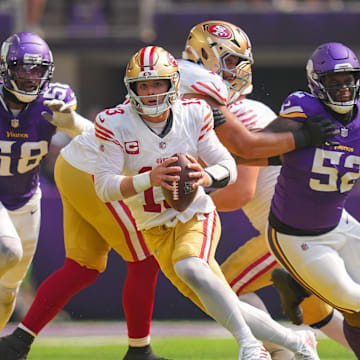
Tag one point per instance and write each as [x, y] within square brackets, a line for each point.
[24, 141]
[129, 147]
[314, 182]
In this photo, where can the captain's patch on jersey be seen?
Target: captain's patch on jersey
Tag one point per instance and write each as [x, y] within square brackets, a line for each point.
[132, 147]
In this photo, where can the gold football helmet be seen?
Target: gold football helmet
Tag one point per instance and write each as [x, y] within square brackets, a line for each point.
[211, 43]
[152, 63]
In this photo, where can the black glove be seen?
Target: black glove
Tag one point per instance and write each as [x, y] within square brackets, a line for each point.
[315, 132]
[219, 117]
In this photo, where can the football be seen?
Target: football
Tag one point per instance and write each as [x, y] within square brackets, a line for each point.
[183, 195]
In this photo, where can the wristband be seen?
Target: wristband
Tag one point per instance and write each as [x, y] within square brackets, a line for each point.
[219, 175]
[300, 138]
[141, 182]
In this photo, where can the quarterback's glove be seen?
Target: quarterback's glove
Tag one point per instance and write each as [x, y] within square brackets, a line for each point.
[315, 132]
[66, 119]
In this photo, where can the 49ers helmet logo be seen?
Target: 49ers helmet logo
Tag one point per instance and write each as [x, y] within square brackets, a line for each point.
[219, 31]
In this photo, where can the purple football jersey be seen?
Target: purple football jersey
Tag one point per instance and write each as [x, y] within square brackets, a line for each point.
[24, 141]
[314, 182]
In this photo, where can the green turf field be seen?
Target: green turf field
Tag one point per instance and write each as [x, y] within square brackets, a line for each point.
[176, 348]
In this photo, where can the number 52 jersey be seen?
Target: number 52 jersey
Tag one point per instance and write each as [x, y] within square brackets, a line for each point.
[314, 182]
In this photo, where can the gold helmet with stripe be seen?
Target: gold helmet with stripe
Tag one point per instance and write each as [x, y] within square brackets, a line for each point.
[152, 63]
[215, 44]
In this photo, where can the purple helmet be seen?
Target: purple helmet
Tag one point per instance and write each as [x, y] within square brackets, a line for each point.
[332, 58]
[26, 65]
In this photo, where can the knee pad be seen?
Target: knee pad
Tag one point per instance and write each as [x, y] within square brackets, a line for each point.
[11, 253]
[317, 313]
[188, 270]
[8, 295]
[352, 319]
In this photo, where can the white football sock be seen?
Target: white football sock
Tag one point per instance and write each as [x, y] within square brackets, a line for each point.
[265, 328]
[216, 296]
[334, 329]
[276, 351]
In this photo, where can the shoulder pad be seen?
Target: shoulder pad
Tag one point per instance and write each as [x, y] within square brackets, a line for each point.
[298, 105]
[195, 79]
[252, 113]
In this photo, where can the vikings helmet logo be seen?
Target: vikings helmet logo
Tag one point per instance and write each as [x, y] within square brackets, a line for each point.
[219, 31]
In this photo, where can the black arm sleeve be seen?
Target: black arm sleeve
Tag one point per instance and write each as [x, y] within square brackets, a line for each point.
[219, 117]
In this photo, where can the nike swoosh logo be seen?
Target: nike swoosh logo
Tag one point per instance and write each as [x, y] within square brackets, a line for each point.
[32, 212]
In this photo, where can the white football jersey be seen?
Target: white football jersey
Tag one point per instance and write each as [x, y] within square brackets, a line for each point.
[81, 152]
[127, 146]
[196, 79]
[255, 116]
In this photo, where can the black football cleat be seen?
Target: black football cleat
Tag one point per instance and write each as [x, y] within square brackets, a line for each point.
[12, 347]
[141, 353]
[291, 295]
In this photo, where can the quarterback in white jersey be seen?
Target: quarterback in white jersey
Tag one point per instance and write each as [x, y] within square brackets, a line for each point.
[134, 159]
[135, 148]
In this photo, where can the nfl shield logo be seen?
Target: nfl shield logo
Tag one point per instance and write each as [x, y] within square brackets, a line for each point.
[162, 145]
[304, 246]
[15, 123]
[344, 132]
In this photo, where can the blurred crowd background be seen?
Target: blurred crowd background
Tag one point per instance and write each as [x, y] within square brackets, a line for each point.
[92, 41]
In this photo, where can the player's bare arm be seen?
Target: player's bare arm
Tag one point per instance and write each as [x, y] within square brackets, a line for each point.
[316, 130]
[277, 140]
[236, 195]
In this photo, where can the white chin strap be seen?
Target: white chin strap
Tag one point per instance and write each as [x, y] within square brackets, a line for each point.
[153, 110]
[25, 98]
[22, 95]
[340, 109]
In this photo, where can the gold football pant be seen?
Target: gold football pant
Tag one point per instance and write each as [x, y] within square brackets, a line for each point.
[196, 238]
[249, 269]
[92, 227]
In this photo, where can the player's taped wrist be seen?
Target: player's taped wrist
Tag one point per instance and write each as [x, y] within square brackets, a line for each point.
[141, 182]
[219, 117]
[219, 176]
